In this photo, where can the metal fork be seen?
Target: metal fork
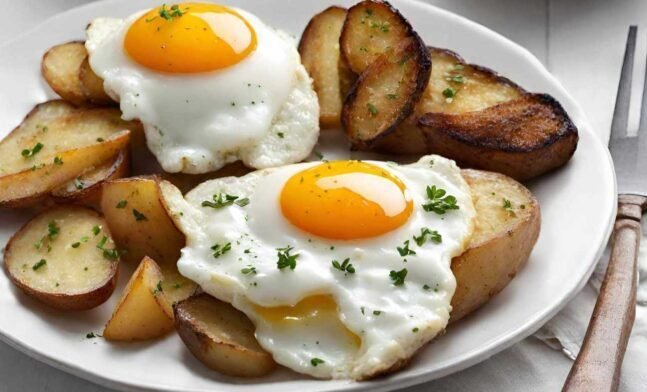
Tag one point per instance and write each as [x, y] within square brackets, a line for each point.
[597, 367]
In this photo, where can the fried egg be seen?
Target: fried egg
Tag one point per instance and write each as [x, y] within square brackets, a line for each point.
[343, 266]
[211, 85]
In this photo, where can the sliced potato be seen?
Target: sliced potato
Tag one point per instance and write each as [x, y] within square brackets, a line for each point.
[221, 337]
[143, 312]
[371, 29]
[141, 226]
[319, 49]
[523, 138]
[504, 235]
[60, 67]
[65, 258]
[45, 152]
[92, 85]
[86, 189]
[386, 93]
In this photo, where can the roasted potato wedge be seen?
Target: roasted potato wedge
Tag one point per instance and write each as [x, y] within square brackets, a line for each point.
[371, 29]
[64, 258]
[46, 151]
[66, 70]
[523, 138]
[86, 189]
[221, 337]
[141, 226]
[92, 85]
[386, 93]
[319, 49]
[60, 68]
[506, 229]
[483, 120]
[143, 312]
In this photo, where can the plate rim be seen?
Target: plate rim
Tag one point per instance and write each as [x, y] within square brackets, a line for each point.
[469, 359]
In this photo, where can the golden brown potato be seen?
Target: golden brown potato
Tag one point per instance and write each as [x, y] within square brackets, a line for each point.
[319, 49]
[221, 337]
[143, 312]
[386, 93]
[60, 66]
[523, 138]
[140, 225]
[48, 149]
[371, 29]
[65, 258]
[66, 70]
[92, 85]
[482, 120]
[506, 229]
[86, 189]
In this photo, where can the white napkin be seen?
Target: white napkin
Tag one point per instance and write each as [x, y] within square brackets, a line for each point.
[566, 331]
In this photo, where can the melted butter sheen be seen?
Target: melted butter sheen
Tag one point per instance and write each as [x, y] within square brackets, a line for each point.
[346, 200]
[190, 38]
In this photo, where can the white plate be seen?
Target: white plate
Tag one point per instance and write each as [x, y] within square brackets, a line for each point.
[578, 205]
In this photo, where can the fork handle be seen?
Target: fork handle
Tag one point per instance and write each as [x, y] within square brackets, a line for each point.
[597, 367]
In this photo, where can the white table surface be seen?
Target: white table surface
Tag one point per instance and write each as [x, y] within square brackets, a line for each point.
[580, 41]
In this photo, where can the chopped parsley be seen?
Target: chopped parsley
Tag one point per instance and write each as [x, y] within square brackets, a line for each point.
[426, 287]
[377, 312]
[318, 154]
[316, 361]
[398, 276]
[100, 139]
[404, 249]
[382, 26]
[58, 160]
[392, 96]
[121, 204]
[111, 254]
[280, 134]
[425, 232]
[449, 94]
[41, 263]
[28, 153]
[507, 205]
[102, 242]
[219, 250]
[223, 200]
[52, 230]
[92, 335]
[439, 201]
[371, 109]
[139, 216]
[248, 270]
[415, 330]
[168, 13]
[96, 230]
[78, 184]
[345, 266]
[76, 245]
[455, 79]
[285, 258]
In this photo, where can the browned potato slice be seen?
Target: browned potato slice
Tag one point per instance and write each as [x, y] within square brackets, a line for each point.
[371, 29]
[503, 238]
[46, 151]
[143, 312]
[386, 93]
[483, 120]
[141, 226]
[319, 49]
[65, 258]
[60, 68]
[86, 188]
[523, 138]
[221, 337]
[92, 85]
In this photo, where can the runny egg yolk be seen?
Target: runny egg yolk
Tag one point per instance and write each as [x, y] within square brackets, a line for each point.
[346, 200]
[190, 38]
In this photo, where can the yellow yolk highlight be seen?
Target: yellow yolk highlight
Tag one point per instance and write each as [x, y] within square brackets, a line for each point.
[314, 310]
[190, 38]
[346, 200]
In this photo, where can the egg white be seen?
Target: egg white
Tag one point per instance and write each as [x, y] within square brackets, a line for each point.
[392, 321]
[262, 110]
